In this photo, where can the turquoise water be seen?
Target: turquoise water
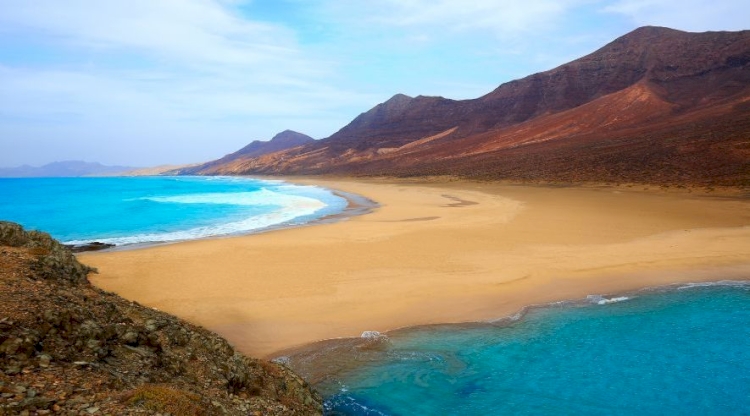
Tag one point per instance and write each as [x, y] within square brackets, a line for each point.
[130, 210]
[682, 351]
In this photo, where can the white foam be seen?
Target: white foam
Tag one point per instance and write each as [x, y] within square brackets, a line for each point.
[283, 360]
[601, 300]
[261, 197]
[288, 208]
[373, 335]
[725, 283]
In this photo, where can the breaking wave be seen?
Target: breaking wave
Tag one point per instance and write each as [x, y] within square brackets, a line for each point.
[277, 209]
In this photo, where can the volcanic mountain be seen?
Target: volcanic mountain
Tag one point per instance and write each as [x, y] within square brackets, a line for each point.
[654, 106]
[287, 139]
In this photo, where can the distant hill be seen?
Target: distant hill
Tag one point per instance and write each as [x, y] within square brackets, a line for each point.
[157, 170]
[656, 105]
[287, 139]
[69, 168]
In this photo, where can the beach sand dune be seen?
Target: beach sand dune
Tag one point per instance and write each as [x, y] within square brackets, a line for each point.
[433, 253]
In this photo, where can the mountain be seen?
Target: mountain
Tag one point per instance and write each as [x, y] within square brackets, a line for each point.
[157, 170]
[67, 168]
[287, 139]
[656, 105]
[67, 347]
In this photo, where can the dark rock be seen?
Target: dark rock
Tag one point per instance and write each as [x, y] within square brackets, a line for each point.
[92, 246]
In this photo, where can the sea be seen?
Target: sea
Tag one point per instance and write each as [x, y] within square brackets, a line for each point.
[144, 210]
[678, 350]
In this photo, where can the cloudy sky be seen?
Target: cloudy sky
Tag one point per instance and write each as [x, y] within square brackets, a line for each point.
[149, 82]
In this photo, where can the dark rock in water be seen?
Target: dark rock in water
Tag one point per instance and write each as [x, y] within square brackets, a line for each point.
[92, 246]
[67, 347]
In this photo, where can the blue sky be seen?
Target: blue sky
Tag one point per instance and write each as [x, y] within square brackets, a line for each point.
[149, 82]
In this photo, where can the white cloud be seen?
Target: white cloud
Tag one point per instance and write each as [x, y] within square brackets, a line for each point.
[690, 15]
[167, 63]
[501, 17]
[192, 30]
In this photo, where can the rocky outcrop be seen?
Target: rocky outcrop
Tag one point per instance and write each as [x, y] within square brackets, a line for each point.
[654, 106]
[69, 348]
[52, 260]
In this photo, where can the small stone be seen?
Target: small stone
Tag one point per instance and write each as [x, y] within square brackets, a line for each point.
[92, 410]
[44, 360]
[130, 337]
[93, 344]
[151, 325]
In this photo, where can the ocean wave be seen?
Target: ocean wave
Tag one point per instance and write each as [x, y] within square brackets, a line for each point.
[373, 335]
[601, 300]
[261, 197]
[343, 403]
[721, 283]
[288, 208]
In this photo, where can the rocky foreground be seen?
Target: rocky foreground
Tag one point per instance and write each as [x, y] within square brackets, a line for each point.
[69, 348]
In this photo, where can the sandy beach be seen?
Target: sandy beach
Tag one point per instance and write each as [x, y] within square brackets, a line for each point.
[433, 252]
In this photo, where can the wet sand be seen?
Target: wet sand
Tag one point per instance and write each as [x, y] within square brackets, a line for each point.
[433, 252]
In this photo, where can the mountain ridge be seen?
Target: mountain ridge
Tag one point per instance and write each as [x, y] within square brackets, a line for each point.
[281, 141]
[65, 168]
[654, 87]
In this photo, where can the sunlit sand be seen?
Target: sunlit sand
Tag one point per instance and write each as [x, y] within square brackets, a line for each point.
[433, 252]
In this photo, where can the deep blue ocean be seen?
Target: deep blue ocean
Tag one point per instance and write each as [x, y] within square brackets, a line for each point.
[682, 351]
[130, 210]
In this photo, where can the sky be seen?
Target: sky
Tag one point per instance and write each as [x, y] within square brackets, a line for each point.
[151, 82]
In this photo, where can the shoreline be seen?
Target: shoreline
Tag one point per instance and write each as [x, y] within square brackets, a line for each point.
[323, 360]
[418, 261]
[731, 276]
[355, 205]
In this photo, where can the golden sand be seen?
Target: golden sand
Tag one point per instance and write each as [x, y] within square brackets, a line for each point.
[433, 253]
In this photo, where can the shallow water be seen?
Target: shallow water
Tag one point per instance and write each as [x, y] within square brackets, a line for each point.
[130, 210]
[679, 351]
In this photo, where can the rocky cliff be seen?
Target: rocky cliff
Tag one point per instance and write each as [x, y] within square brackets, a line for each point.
[69, 348]
[656, 105]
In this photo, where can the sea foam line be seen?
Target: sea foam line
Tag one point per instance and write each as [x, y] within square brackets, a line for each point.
[601, 300]
[289, 208]
[720, 283]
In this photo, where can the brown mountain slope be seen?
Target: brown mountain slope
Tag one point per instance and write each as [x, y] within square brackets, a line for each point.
[628, 136]
[287, 139]
[675, 93]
